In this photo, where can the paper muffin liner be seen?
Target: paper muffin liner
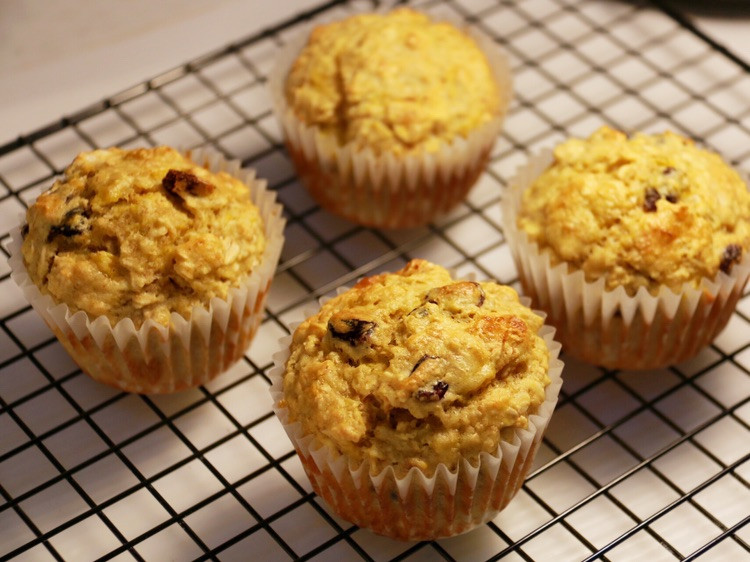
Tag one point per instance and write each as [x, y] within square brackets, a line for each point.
[385, 190]
[417, 506]
[609, 327]
[157, 358]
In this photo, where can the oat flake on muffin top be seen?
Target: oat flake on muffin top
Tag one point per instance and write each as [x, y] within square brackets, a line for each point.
[644, 211]
[413, 369]
[395, 82]
[141, 233]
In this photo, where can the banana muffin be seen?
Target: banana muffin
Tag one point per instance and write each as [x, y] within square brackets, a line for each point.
[414, 372]
[396, 82]
[140, 234]
[657, 229]
[420, 99]
[149, 239]
[644, 211]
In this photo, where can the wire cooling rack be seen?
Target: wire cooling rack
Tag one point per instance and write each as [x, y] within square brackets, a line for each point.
[652, 466]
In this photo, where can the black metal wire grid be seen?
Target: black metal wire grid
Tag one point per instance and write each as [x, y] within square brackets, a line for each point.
[633, 466]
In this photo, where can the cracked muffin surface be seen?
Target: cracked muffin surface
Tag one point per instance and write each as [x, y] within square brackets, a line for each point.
[414, 369]
[396, 82]
[640, 211]
[141, 233]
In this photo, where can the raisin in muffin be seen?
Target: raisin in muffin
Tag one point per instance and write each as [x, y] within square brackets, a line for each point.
[148, 239]
[634, 245]
[390, 117]
[412, 378]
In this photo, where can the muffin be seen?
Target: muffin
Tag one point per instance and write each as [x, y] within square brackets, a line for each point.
[389, 118]
[635, 246]
[417, 402]
[150, 267]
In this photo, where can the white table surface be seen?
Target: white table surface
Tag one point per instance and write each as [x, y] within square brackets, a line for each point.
[58, 57]
[63, 56]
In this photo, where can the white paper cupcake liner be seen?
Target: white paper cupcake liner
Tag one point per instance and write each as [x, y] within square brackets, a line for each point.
[418, 507]
[609, 327]
[387, 191]
[188, 352]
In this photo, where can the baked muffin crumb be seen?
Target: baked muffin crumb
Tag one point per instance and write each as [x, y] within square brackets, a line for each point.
[396, 82]
[413, 369]
[641, 211]
[141, 233]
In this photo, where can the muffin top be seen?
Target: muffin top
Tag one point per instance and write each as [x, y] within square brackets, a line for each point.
[141, 233]
[413, 369]
[644, 211]
[395, 82]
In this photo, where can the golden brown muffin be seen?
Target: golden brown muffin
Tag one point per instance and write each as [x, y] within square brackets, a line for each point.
[414, 369]
[151, 270]
[645, 211]
[396, 82]
[635, 247]
[141, 233]
[390, 118]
